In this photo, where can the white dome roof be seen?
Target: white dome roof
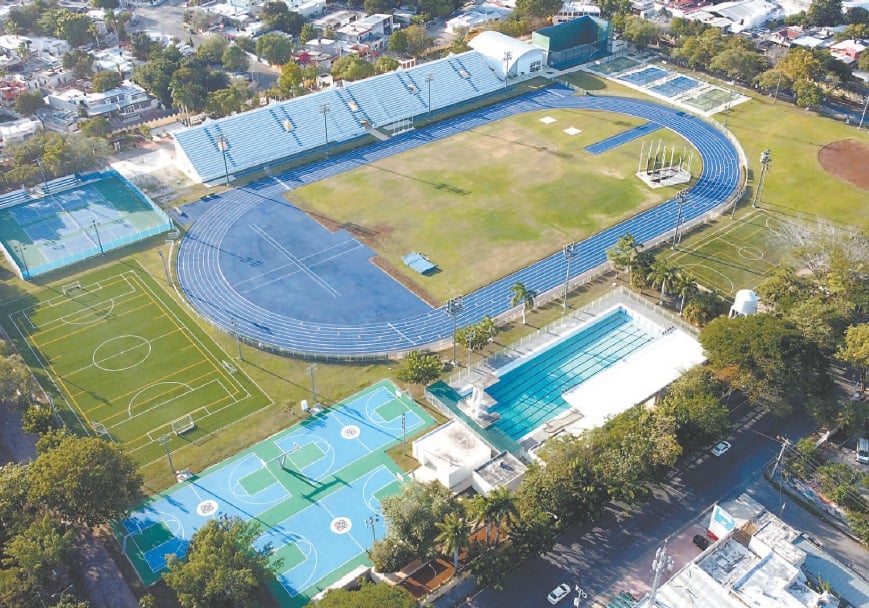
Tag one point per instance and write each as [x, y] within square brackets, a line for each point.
[745, 302]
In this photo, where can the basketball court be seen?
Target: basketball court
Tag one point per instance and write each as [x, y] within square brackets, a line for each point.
[314, 489]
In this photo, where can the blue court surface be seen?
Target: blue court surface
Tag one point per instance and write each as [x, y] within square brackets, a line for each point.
[675, 87]
[622, 138]
[255, 264]
[314, 489]
[645, 76]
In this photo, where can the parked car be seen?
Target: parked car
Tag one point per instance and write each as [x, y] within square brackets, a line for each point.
[558, 594]
[720, 448]
[701, 541]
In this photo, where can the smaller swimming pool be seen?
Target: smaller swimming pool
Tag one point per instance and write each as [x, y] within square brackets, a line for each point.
[528, 393]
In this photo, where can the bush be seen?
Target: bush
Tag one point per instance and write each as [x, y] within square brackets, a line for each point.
[420, 368]
[389, 556]
[38, 419]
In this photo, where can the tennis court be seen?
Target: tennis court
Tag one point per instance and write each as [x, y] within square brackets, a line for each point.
[644, 76]
[710, 99]
[314, 489]
[73, 218]
[675, 87]
[618, 64]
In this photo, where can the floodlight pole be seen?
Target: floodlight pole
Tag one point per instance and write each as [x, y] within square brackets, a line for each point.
[428, 79]
[20, 251]
[45, 190]
[863, 116]
[165, 267]
[311, 369]
[324, 110]
[165, 441]
[765, 161]
[454, 307]
[568, 251]
[99, 240]
[681, 198]
[661, 562]
[223, 146]
[237, 340]
[508, 55]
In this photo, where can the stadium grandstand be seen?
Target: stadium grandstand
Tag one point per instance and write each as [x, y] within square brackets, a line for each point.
[237, 144]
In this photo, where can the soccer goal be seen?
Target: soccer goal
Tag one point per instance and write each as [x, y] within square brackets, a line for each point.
[100, 430]
[72, 287]
[183, 425]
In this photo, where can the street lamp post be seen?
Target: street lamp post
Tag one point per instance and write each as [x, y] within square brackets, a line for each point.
[165, 267]
[508, 55]
[99, 240]
[765, 161]
[428, 79]
[324, 110]
[580, 595]
[223, 145]
[680, 200]
[661, 563]
[454, 307]
[371, 522]
[568, 251]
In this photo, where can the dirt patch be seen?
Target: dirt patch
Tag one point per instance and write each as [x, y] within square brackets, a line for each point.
[846, 159]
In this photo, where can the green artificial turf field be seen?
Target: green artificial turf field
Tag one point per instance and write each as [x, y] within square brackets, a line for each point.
[116, 352]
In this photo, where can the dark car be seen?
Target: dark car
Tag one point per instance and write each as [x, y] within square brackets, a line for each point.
[701, 541]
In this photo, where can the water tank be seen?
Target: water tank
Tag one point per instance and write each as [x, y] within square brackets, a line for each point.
[744, 304]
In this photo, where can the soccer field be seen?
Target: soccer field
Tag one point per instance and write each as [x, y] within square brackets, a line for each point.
[121, 355]
[489, 201]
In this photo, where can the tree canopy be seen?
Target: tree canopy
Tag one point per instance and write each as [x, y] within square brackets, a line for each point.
[412, 516]
[222, 568]
[85, 480]
[370, 595]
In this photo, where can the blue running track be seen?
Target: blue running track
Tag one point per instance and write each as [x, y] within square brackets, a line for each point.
[615, 141]
[257, 263]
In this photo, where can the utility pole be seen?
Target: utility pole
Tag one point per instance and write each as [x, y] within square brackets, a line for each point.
[661, 563]
[863, 115]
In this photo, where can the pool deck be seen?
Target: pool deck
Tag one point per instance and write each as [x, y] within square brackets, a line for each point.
[574, 420]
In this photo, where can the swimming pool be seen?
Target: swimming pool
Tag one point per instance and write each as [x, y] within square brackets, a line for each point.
[529, 393]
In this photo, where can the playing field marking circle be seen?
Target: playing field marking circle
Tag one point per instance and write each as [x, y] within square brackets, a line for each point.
[774, 223]
[713, 271]
[341, 525]
[351, 431]
[94, 317]
[748, 252]
[207, 508]
[135, 397]
[137, 346]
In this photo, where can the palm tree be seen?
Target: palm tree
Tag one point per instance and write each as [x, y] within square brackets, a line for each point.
[685, 286]
[453, 535]
[523, 296]
[503, 507]
[663, 273]
[483, 512]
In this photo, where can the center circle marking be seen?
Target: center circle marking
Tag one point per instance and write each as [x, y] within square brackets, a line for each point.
[341, 525]
[351, 431]
[121, 353]
[207, 508]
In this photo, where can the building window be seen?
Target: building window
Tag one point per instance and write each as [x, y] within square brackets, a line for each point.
[536, 66]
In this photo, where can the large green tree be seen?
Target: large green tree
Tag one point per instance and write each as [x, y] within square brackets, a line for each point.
[412, 515]
[16, 382]
[352, 67]
[235, 59]
[695, 402]
[420, 368]
[538, 8]
[769, 359]
[85, 480]
[370, 595]
[274, 48]
[276, 15]
[41, 550]
[222, 568]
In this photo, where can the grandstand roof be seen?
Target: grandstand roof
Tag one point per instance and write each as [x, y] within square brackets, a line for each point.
[494, 46]
[266, 135]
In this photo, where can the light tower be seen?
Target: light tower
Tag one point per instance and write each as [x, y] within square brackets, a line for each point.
[765, 161]
[453, 308]
[428, 79]
[324, 110]
[661, 563]
[681, 198]
[223, 146]
[508, 55]
[569, 251]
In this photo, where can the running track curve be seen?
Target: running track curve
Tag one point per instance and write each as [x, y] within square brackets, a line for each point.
[215, 297]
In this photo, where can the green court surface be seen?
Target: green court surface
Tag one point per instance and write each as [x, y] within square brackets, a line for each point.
[619, 64]
[709, 99]
[119, 357]
[313, 490]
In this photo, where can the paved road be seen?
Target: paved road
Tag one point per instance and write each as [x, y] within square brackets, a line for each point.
[616, 554]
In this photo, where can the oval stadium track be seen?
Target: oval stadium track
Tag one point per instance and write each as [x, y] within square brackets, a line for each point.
[256, 264]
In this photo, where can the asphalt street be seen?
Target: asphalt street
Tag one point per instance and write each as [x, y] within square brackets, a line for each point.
[616, 554]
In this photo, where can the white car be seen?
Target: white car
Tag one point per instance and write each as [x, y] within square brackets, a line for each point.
[720, 448]
[558, 594]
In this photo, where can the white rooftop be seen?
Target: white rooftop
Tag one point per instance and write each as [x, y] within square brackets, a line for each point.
[634, 379]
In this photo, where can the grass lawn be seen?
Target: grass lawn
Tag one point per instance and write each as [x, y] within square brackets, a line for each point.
[490, 201]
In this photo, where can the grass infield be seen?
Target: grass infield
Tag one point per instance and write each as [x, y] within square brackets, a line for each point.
[118, 351]
[487, 202]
